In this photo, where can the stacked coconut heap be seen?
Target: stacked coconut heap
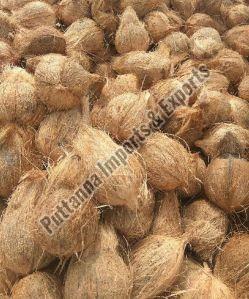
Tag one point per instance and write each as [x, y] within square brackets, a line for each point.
[78, 78]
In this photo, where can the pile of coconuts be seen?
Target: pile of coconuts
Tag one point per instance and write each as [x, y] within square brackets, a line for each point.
[79, 81]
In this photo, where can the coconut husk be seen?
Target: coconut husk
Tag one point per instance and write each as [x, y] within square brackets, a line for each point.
[105, 70]
[7, 55]
[207, 226]
[225, 139]
[177, 42]
[242, 286]
[234, 14]
[211, 7]
[19, 253]
[237, 39]
[69, 11]
[61, 82]
[156, 262]
[8, 27]
[226, 183]
[14, 4]
[185, 7]
[37, 285]
[35, 14]
[82, 59]
[101, 273]
[239, 111]
[7, 280]
[244, 88]
[142, 7]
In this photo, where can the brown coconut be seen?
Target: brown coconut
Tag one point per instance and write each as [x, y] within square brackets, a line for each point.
[211, 7]
[239, 111]
[69, 11]
[159, 24]
[99, 272]
[37, 285]
[185, 7]
[207, 226]
[142, 7]
[105, 70]
[17, 155]
[82, 59]
[35, 14]
[244, 88]
[167, 162]
[225, 139]
[7, 55]
[205, 42]
[61, 82]
[19, 252]
[131, 34]
[7, 280]
[177, 42]
[226, 183]
[234, 14]
[56, 133]
[134, 224]
[15, 4]
[237, 39]
[8, 27]
[156, 262]
[40, 41]
[197, 282]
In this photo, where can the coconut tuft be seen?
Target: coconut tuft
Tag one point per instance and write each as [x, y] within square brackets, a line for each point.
[244, 88]
[8, 27]
[7, 55]
[142, 7]
[239, 111]
[226, 183]
[237, 39]
[185, 7]
[234, 14]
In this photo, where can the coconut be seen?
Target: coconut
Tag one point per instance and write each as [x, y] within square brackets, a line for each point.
[142, 7]
[205, 42]
[131, 34]
[207, 226]
[149, 67]
[100, 272]
[211, 7]
[18, 98]
[82, 59]
[237, 39]
[185, 7]
[159, 24]
[197, 282]
[69, 11]
[105, 70]
[19, 253]
[85, 36]
[239, 111]
[15, 4]
[234, 14]
[200, 20]
[8, 27]
[7, 55]
[7, 280]
[229, 63]
[40, 41]
[61, 82]
[225, 139]
[134, 224]
[37, 285]
[244, 88]
[156, 261]
[226, 183]
[35, 14]
[17, 155]
[177, 42]
[167, 162]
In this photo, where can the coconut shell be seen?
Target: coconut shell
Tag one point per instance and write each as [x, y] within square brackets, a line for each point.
[156, 261]
[239, 111]
[234, 14]
[134, 224]
[69, 11]
[8, 27]
[244, 88]
[142, 7]
[19, 253]
[7, 55]
[185, 7]
[207, 226]
[35, 14]
[167, 162]
[237, 39]
[131, 34]
[61, 82]
[37, 285]
[101, 273]
[226, 183]
[225, 139]
[7, 280]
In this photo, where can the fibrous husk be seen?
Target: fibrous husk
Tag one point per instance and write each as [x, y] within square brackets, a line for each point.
[105, 70]
[167, 162]
[8, 27]
[35, 14]
[200, 20]
[101, 273]
[239, 111]
[244, 88]
[197, 282]
[185, 7]
[84, 35]
[17, 155]
[159, 24]
[237, 39]
[69, 11]
[234, 14]
[149, 67]
[7, 280]
[37, 285]
[242, 286]
[56, 133]
[207, 226]
[225, 139]
[131, 34]
[7, 55]
[211, 7]
[205, 42]
[18, 98]
[15, 4]
[61, 82]
[226, 183]
[43, 40]
[229, 63]
[19, 252]
[167, 221]
[134, 224]
[82, 59]
[177, 42]
[156, 262]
